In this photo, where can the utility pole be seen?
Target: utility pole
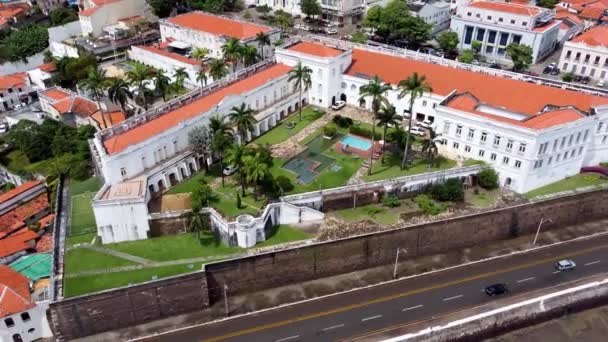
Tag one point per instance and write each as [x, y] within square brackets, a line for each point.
[540, 224]
[226, 300]
[399, 250]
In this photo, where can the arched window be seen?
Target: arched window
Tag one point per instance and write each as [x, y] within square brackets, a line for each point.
[343, 85]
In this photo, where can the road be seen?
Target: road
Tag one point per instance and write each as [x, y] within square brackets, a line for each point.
[363, 313]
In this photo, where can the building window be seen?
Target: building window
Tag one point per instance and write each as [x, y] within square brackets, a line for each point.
[505, 160]
[467, 148]
[424, 103]
[517, 164]
[489, 17]
[566, 155]
[599, 126]
[516, 39]
[123, 171]
[25, 316]
[458, 130]
[586, 135]
[489, 49]
[446, 127]
[580, 150]
[587, 56]
[500, 20]
[491, 37]
[468, 14]
[509, 145]
[493, 156]
[604, 139]
[563, 142]
[484, 137]
[468, 34]
[522, 148]
[455, 145]
[559, 156]
[504, 37]
[571, 139]
[568, 54]
[524, 23]
[9, 322]
[497, 140]
[565, 66]
[512, 21]
[597, 60]
[481, 153]
[478, 15]
[480, 34]
[471, 133]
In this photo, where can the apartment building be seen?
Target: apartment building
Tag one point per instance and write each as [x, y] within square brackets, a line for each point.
[587, 54]
[99, 14]
[15, 89]
[436, 13]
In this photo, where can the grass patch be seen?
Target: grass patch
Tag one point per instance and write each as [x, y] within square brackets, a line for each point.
[15, 161]
[473, 162]
[392, 167]
[183, 246]
[191, 183]
[282, 234]
[82, 259]
[82, 218]
[281, 132]
[82, 238]
[92, 184]
[376, 213]
[483, 199]
[577, 181]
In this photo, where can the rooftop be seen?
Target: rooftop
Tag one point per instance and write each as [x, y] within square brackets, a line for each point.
[19, 190]
[138, 134]
[9, 11]
[12, 80]
[14, 292]
[112, 118]
[505, 7]
[15, 218]
[166, 53]
[133, 189]
[217, 25]
[33, 266]
[98, 4]
[48, 67]
[77, 105]
[56, 93]
[315, 49]
[596, 36]
[593, 11]
[17, 242]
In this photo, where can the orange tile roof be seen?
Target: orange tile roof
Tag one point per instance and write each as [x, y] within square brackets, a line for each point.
[12, 80]
[168, 54]
[83, 107]
[578, 2]
[596, 36]
[573, 17]
[14, 292]
[13, 10]
[14, 219]
[217, 25]
[63, 106]
[517, 96]
[48, 67]
[112, 118]
[594, 11]
[164, 122]
[18, 190]
[315, 49]
[56, 93]
[506, 7]
[44, 243]
[16, 243]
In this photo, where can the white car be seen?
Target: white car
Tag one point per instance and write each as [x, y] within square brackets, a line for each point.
[331, 31]
[417, 131]
[600, 84]
[475, 62]
[425, 124]
[302, 27]
[338, 105]
[228, 170]
[565, 265]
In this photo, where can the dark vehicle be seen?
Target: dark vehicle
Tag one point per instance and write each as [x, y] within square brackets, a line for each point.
[586, 80]
[495, 66]
[547, 70]
[496, 289]
[555, 71]
[578, 78]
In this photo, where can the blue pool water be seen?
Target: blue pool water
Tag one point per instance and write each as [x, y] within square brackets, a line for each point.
[358, 143]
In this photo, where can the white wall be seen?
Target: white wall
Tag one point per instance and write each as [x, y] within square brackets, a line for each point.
[569, 63]
[15, 67]
[119, 221]
[35, 328]
[58, 34]
[110, 13]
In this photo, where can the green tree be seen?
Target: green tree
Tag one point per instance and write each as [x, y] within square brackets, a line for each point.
[162, 8]
[242, 118]
[201, 77]
[394, 22]
[387, 116]
[234, 157]
[73, 70]
[221, 139]
[450, 190]
[181, 75]
[310, 8]
[283, 20]
[521, 55]
[414, 87]
[249, 54]
[550, 4]
[199, 222]
[255, 170]
[448, 41]
[213, 6]
[429, 146]
[200, 53]
[162, 83]
[23, 43]
[119, 93]
[263, 10]
[62, 16]
[488, 179]
[359, 37]
[476, 47]
[301, 76]
[262, 39]
[199, 140]
[202, 197]
[218, 69]
[467, 56]
[232, 52]
[139, 77]
[376, 89]
[96, 84]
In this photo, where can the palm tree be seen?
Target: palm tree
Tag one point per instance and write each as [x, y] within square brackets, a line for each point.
[387, 116]
[119, 93]
[376, 88]
[162, 83]
[218, 69]
[414, 86]
[263, 39]
[219, 125]
[250, 55]
[255, 170]
[234, 157]
[198, 222]
[138, 77]
[180, 75]
[96, 83]
[242, 118]
[201, 77]
[200, 53]
[301, 75]
[232, 52]
[219, 144]
[429, 146]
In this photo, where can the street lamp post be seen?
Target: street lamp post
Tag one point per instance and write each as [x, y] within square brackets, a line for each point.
[540, 224]
[226, 299]
[399, 250]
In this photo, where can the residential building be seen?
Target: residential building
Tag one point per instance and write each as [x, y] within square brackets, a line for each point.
[15, 89]
[96, 15]
[205, 30]
[587, 54]
[592, 11]
[14, 13]
[571, 26]
[337, 11]
[499, 24]
[436, 13]
[21, 319]
[42, 76]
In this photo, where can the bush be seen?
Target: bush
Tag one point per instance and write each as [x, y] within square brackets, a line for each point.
[364, 132]
[330, 131]
[488, 179]
[605, 164]
[451, 190]
[391, 201]
[284, 183]
[568, 77]
[429, 206]
[342, 121]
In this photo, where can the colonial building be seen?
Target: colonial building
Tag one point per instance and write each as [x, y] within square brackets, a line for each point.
[99, 14]
[434, 12]
[338, 11]
[496, 25]
[15, 89]
[587, 54]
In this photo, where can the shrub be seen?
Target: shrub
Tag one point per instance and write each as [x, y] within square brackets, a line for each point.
[364, 132]
[429, 206]
[391, 201]
[342, 121]
[330, 130]
[238, 200]
[451, 190]
[488, 179]
[284, 183]
[604, 164]
[568, 77]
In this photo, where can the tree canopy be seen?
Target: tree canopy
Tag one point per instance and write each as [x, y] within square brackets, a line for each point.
[72, 70]
[448, 41]
[62, 16]
[25, 42]
[547, 3]
[521, 55]
[162, 8]
[394, 22]
[310, 8]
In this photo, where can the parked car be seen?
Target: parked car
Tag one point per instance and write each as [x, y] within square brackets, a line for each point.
[555, 71]
[600, 84]
[475, 62]
[4, 128]
[425, 124]
[417, 131]
[496, 289]
[230, 169]
[565, 265]
[586, 80]
[578, 78]
[330, 31]
[302, 27]
[338, 105]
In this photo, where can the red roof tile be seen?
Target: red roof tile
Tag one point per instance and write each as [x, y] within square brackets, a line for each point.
[151, 128]
[55, 94]
[18, 190]
[14, 292]
[63, 106]
[594, 11]
[168, 54]
[13, 80]
[44, 243]
[13, 10]
[596, 36]
[83, 107]
[16, 243]
[573, 17]
[48, 67]
[315, 49]
[506, 7]
[218, 25]
[15, 218]
[112, 118]
[547, 26]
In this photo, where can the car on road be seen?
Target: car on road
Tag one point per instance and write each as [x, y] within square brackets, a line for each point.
[475, 62]
[565, 265]
[338, 105]
[230, 169]
[550, 68]
[555, 71]
[495, 289]
[328, 30]
[600, 84]
[417, 131]
[586, 80]
[302, 27]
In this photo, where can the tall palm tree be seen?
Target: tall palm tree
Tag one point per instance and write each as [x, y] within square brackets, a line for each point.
[376, 89]
[387, 116]
[219, 125]
[96, 83]
[198, 222]
[201, 77]
[162, 83]
[234, 157]
[263, 39]
[301, 76]
[232, 52]
[181, 75]
[429, 146]
[242, 118]
[249, 55]
[200, 53]
[255, 170]
[138, 77]
[414, 86]
[119, 93]
[218, 69]
[219, 144]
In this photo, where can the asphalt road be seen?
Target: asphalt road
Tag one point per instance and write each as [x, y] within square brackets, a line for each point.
[363, 313]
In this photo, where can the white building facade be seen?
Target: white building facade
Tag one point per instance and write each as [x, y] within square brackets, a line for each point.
[15, 89]
[496, 25]
[587, 54]
[436, 13]
[98, 14]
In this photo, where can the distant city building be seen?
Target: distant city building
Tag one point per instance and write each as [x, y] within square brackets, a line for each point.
[96, 15]
[587, 54]
[15, 89]
[570, 26]
[498, 24]
[434, 12]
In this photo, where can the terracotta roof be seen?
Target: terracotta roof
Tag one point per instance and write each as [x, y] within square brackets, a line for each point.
[14, 292]
[315, 49]
[164, 122]
[573, 17]
[168, 54]
[48, 67]
[56, 93]
[596, 36]
[218, 25]
[13, 10]
[12, 80]
[63, 106]
[77, 105]
[516, 96]
[578, 2]
[594, 11]
[18, 190]
[44, 243]
[16, 243]
[15, 218]
[112, 118]
[506, 7]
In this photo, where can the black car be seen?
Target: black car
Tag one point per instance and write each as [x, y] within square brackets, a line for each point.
[496, 289]
[578, 78]
[586, 80]
[547, 70]
[555, 71]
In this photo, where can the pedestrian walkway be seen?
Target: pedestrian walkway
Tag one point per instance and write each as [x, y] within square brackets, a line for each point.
[118, 254]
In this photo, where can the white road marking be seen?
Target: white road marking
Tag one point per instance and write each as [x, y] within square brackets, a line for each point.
[450, 298]
[412, 308]
[556, 272]
[333, 327]
[527, 279]
[592, 263]
[288, 338]
[370, 318]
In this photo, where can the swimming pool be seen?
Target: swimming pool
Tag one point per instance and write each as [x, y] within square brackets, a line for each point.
[356, 142]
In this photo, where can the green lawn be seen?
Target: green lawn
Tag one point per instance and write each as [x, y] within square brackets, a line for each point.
[483, 199]
[472, 162]
[377, 213]
[82, 259]
[281, 133]
[391, 168]
[577, 181]
[182, 246]
[82, 217]
[283, 234]
[82, 238]
[92, 184]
